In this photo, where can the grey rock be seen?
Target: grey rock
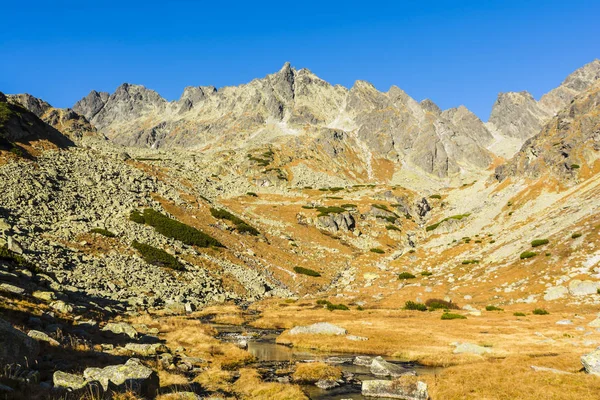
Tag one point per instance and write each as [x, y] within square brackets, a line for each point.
[41, 336]
[146, 349]
[395, 390]
[68, 381]
[120, 328]
[591, 362]
[471, 348]
[320, 328]
[326, 384]
[7, 287]
[363, 360]
[132, 375]
[62, 307]
[380, 367]
[555, 292]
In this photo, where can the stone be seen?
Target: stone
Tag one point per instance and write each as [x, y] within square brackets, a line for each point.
[564, 322]
[595, 323]
[326, 384]
[546, 369]
[132, 375]
[363, 360]
[583, 288]
[399, 389]
[15, 346]
[146, 349]
[470, 348]
[62, 307]
[45, 296]
[7, 287]
[14, 246]
[591, 362]
[380, 367]
[120, 328]
[41, 336]
[355, 338]
[68, 381]
[320, 328]
[555, 292]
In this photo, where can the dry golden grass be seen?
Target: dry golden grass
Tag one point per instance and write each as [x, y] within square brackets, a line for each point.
[250, 387]
[214, 380]
[170, 379]
[313, 372]
[508, 379]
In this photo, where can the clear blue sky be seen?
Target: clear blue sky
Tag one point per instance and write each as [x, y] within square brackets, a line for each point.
[454, 52]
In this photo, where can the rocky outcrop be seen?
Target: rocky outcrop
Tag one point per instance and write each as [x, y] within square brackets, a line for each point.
[518, 114]
[576, 83]
[132, 375]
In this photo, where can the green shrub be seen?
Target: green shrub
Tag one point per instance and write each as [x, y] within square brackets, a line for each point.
[306, 271]
[103, 232]
[548, 254]
[527, 254]
[493, 308]
[322, 302]
[435, 196]
[452, 316]
[381, 207]
[331, 307]
[466, 262]
[157, 257]
[539, 242]
[325, 211]
[575, 235]
[177, 230]
[307, 207]
[376, 250]
[360, 308]
[349, 205]
[251, 194]
[426, 273]
[439, 304]
[334, 197]
[391, 227]
[540, 311]
[519, 314]
[411, 251]
[406, 275]
[240, 225]
[137, 217]
[456, 217]
[575, 166]
[411, 305]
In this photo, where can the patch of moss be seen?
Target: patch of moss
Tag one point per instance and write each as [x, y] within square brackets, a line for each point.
[240, 225]
[453, 316]
[406, 275]
[527, 254]
[455, 217]
[378, 251]
[539, 242]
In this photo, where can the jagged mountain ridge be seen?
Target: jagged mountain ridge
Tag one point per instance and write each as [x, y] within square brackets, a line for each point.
[290, 103]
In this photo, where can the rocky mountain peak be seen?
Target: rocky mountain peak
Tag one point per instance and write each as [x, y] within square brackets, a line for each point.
[90, 105]
[429, 105]
[31, 103]
[518, 115]
[575, 83]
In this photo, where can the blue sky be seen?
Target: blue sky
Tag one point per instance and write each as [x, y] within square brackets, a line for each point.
[453, 52]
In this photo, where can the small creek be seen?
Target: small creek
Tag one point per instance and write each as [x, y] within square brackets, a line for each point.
[271, 357]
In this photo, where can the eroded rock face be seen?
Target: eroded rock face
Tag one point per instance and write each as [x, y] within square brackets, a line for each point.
[336, 222]
[15, 346]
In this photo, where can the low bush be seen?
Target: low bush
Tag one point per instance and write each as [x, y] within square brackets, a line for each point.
[539, 242]
[391, 227]
[453, 316]
[411, 305]
[322, 302]
[439, 304]
[103, 232]
[376, 250]
[456, 217]
[575, 235]
[519, 314]
[251, 194]
[406, 275]
[493, 308]
[435, 196]
[157, 257]
[177, 230]
[306, 271]
[349, 205]
[331, 307]
[137, 217]
[575, 166]
[540, 311]
[527, 254]
[426, 273]
[325, 211]
[381, 207]
[466, 262]
[240, 225]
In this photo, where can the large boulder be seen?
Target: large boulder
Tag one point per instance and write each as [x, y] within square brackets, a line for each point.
[68, 381]
[146, 350]
[406, 389]
[42, 337]
[380, 367]
[555, 292]
[591, 362]
[470, 348]
[320, 328]
[15, 346]
[132, 375]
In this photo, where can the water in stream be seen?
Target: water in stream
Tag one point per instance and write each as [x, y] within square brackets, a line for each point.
[269, 355]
